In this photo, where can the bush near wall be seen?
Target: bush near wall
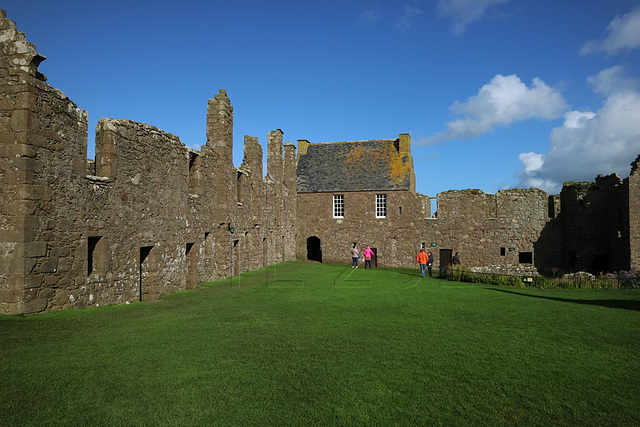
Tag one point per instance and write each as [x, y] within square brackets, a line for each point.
[462, 274]
[623, 279]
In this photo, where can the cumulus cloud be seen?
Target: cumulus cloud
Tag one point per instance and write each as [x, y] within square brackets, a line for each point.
[466, 12]
[611, 80]
[590, 143]
[502, 101]
[623, 33]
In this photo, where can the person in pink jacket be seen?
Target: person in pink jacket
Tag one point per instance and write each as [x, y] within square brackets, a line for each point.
[368, 253]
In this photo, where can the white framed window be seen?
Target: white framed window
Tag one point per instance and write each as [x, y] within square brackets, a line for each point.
[338, 205]
[381, 205]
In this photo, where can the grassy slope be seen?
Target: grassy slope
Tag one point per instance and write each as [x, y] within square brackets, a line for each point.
[304, 343]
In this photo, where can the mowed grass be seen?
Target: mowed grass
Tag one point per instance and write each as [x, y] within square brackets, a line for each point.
[314, 344]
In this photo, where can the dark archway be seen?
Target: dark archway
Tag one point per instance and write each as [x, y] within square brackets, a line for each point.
[314, 251]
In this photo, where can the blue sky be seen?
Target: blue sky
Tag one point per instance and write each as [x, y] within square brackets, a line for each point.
[495, 93]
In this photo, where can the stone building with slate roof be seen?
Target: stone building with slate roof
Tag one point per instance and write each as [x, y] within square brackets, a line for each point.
[364, 192]
[359, 192]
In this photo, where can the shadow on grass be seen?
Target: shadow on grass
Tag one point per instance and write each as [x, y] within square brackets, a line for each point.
[610, 303]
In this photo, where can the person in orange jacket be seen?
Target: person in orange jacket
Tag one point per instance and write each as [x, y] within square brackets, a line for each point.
[422, 259]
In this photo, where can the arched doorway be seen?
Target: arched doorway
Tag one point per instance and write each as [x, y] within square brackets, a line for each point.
[314, 251]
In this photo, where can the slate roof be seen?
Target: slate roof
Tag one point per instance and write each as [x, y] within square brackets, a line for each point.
[374, 165]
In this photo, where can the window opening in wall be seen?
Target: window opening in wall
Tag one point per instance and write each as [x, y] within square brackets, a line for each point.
[338, 205]
[240, 188]
[93, 256]
[620, 222]
[423, 245]
[381, 205]
[525, 257]
[207, 245]
[503, 251]
[434, 207]
[193, 173]
[552, 207]
[399, 210]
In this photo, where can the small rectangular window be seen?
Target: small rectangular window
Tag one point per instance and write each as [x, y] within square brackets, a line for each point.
[525, 257]
[381, 205]
[503, 251]
[338, 206]
[95, 256]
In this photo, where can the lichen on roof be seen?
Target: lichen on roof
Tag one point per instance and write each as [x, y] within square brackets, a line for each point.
[354, 166]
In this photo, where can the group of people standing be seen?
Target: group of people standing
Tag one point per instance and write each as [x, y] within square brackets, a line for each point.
[355, 256]
[425, 259]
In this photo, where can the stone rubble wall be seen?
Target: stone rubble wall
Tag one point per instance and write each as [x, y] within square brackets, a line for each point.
[478, 225]
[396, 238]
[634, 214]
[148, 217]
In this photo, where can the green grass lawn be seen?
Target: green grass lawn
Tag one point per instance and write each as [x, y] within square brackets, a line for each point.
[316, 344]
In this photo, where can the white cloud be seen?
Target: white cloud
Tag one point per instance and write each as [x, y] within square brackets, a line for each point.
[466, 12]
[531, 161]
[623, 34]
[408, 16]
[590, 143]
[370, 15]
[611, 80]
[502, 101]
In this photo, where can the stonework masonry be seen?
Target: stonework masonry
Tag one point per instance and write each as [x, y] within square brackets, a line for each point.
[149, 216]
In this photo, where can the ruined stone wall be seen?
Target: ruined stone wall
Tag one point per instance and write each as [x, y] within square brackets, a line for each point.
[634, 214]
[139, 213]
[594, 218]
[290, 202]
[148, 217]
[274, 197]
[42, 168]
[617, 224]
[489, 228]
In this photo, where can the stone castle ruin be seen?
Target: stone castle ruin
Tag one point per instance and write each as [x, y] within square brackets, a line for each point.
[151, 216]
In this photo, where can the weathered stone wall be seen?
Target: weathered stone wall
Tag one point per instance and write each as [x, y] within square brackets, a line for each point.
[634, 214]
[490, 229]
[136, 208]
[595, 222]
[148, 217]
[397, 237]
[42, 168]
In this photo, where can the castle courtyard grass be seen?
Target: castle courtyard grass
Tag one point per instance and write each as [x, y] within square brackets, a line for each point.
[316, 344]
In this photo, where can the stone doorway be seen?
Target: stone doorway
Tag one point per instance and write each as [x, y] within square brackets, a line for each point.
[314, 250]
[192, 263]
[446, 257]
[147, 274]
